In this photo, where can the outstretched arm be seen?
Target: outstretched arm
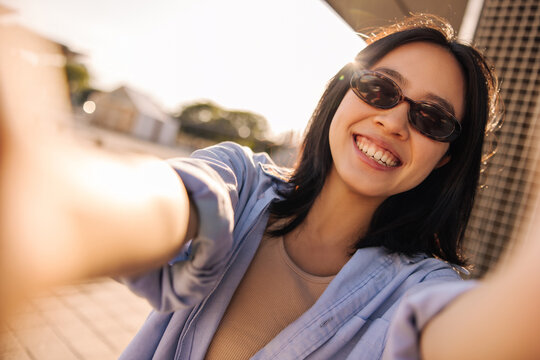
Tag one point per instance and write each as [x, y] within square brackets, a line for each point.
[500, 319]
[69, 211]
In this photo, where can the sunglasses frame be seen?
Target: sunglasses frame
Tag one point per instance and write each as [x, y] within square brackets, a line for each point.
[413, 105]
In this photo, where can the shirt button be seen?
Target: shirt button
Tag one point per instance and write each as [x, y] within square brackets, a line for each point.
[325, 322]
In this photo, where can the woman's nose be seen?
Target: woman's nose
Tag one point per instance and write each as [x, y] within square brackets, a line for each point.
[394, 121]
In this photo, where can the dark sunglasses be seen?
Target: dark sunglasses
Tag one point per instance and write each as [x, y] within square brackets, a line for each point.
[381, 92]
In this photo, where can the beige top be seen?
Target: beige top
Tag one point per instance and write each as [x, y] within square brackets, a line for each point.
[273, 293]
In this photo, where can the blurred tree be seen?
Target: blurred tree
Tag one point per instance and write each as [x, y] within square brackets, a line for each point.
[210, 121]
[78, 81]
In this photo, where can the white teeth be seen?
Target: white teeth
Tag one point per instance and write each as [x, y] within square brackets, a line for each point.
[382, 156]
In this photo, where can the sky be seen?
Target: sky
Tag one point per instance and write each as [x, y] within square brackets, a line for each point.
[270, 57]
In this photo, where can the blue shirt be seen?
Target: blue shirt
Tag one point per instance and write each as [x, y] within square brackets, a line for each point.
[374, 308]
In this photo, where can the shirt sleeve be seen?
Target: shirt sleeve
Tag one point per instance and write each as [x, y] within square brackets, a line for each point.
[415, 310]
[217, 179]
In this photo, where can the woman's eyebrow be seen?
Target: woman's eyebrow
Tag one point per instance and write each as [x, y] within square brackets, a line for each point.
[397, 77]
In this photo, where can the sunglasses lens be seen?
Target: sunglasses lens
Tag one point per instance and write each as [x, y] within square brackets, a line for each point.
[381, 92]
[431, 121]
[376, 91]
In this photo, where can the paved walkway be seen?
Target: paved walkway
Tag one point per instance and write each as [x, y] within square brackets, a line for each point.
[90, 321]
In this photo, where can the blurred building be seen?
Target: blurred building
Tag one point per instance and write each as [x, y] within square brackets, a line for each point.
[364, 14]
[508, 32]
[128, 111]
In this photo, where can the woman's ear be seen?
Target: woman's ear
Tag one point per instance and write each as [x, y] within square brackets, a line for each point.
[444, 160]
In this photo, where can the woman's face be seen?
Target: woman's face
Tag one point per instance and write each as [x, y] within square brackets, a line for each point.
[424, 72]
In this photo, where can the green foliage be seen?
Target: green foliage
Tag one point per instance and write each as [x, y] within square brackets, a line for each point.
[210, 121]
[78, 81]
[78, 76]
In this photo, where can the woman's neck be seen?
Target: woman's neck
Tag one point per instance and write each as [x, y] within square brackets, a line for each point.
[322, 244]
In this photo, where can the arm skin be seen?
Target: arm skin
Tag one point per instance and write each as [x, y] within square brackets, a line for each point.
[82, 214]
[501, 318]
[69, 211]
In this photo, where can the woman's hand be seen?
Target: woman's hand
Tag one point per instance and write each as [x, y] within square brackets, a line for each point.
[501, 318]
[68, 211]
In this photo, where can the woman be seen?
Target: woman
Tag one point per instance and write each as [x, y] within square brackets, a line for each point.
[348, 256]
[389, 165]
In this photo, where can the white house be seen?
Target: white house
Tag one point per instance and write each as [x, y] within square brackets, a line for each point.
[128, 111]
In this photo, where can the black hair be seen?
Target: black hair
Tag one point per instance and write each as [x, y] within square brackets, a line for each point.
[436, 223]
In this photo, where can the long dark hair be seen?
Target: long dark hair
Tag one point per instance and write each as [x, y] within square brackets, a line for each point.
[436, 223]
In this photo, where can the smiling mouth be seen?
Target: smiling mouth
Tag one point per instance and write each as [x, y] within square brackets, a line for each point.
[375, 152]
